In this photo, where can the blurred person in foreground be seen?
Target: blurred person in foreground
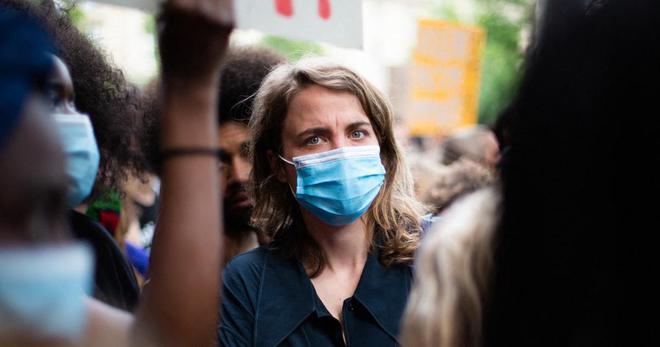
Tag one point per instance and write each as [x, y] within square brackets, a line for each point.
[101, 92]
[85, 92]
[570, 215]
[44, 274]
[333, 194]
[452, 270]
[242, 71]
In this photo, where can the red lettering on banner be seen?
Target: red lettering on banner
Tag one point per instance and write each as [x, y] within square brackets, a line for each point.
[324, 9]
[284, 7]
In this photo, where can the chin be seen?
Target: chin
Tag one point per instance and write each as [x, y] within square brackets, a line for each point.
[238, 216]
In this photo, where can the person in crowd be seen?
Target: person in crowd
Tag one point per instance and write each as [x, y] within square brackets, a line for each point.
[140, 196]
[333, 194]
[114, 281]
[44, 274]
[449, 183]
[101, 92]
[476, 143]
[438, 186]
[243, 70]
[100, 160]
[573, 196]
[452, 275]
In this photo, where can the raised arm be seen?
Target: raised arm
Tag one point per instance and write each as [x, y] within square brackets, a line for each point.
[179, 304]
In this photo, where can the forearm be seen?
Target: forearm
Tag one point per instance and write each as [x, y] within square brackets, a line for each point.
[180, 302]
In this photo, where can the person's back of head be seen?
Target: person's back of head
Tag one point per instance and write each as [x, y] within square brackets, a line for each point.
[585, 112]
[453, 268]
[475, 143]
[243, 70]
[449, 183]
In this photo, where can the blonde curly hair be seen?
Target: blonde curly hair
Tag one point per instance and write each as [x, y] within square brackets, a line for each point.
[452, 274]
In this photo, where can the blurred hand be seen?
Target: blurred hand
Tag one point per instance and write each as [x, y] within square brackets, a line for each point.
[193, 37]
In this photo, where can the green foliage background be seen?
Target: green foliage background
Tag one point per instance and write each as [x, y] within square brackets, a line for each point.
[503, 54]
[292, 49]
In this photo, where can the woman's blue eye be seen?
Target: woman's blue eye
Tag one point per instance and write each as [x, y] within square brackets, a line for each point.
[314, 140]
[357, 134]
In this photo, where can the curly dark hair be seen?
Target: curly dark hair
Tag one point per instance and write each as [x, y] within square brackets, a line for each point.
[151, 126]
[242, 71]
[101, 90]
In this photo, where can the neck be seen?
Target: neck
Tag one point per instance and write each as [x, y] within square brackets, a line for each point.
[344, 246]
[247, 239]
[237, 243]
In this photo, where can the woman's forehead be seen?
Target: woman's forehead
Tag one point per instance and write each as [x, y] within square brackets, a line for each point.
[316, 106]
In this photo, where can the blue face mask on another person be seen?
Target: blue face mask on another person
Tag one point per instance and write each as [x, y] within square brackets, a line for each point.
[338, 186]
[42, 290]
[82, 153]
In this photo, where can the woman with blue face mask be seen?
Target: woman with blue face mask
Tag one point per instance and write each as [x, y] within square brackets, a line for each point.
[89, 140]
[333, 195]
[114, 281]
[76, 133]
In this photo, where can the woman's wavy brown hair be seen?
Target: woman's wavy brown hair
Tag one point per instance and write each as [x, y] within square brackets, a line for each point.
[393, 218]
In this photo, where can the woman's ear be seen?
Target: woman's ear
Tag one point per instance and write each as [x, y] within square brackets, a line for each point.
[276, 166]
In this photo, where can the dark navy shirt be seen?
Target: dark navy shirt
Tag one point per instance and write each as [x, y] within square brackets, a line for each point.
[270, 301]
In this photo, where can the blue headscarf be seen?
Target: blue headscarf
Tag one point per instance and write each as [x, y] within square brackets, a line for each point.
[24, 65]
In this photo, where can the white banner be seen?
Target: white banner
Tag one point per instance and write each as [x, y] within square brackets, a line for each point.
[144, 5]
[337, 22]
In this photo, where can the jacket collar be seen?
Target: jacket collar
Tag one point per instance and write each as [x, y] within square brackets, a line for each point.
[384, 292]
[288, 297]
[286, 300]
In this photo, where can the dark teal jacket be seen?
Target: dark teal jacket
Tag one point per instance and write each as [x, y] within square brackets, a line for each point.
[270, 301]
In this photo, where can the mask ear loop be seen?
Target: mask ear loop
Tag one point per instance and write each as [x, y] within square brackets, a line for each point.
[286, 161]
[290, 163]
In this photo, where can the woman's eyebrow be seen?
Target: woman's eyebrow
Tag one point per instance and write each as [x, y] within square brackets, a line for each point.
[311, 131]
[355, 125]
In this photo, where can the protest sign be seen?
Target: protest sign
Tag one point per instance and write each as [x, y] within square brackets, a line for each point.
[444, 77]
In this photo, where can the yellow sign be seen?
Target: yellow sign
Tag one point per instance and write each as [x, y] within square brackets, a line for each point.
[444, 77]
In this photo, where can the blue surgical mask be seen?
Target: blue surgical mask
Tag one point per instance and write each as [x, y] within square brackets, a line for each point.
[42, 290]
[82, 154]
[338, 186]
